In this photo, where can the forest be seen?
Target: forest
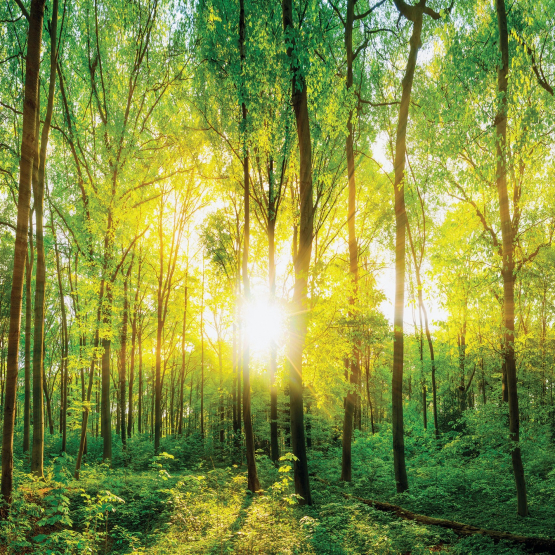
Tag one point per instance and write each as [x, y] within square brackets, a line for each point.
[275, 276]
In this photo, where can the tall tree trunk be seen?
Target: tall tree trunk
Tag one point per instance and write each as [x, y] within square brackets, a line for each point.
[158, 382]
[202, 357]
[37, 457]
[221, 391]
[116, 398]
[131, 376]
[28, 152]
[86, 410]
[182, 377]
[299, 316]
[130, 420]
[105, 407]
[140, 407]
[83, 438]
[123, 359]
[432, 361]
[422, 312]
[152, 396]
[159, 331]
[239, 358]
[169, 417]
[462, 363]
[415, 14]
[508, 257]
[420, 339]
[272, 217]
[191, 413]
[29, 262]
[252, 475]
[351, 400]
[368, 391]
[274, 444]
[48, 405]
[65, 344]
[236, 415]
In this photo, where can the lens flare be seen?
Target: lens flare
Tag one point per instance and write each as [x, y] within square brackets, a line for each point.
[264, 324]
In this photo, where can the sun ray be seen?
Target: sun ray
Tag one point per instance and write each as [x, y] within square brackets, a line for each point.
[264, 324]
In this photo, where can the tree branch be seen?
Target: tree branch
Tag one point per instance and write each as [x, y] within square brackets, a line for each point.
[369, 11]
[542, 81]
[23, 9]
[336, 10]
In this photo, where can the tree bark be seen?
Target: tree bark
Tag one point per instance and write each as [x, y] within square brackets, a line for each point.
[202, 357]
[29, 262]
[252, 476]
[65, 346]
[508, 258]
[538, 545]
[28, 152]
[83, 438]
[182, 378]
[40, 281]
[158, 380]
[351, 400]
[414, 14]
[123, 359]
[422, 312]
[140, 407]
[130, 420]
[105, 406]
[299, 315]
[274, 444]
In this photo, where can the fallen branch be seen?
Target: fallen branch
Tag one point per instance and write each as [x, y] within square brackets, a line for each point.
[538, 545]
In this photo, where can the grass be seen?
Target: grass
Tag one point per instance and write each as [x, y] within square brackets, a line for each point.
[199, 505]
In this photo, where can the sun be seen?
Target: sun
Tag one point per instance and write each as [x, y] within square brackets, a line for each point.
[264, 324]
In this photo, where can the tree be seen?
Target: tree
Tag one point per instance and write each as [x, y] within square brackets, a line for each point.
[28, 152]
[415, 14]
[298, 317]
[508, 266]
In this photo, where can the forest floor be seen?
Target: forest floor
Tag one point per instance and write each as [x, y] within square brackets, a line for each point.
[196, 503]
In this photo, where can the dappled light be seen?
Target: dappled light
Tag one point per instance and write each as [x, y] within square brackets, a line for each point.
[276, 278]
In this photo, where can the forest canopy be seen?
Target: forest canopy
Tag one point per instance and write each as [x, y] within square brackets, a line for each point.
[275, 276]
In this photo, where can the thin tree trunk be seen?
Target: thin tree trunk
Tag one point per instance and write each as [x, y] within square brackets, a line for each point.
[352, 363]
[130, 420]
[252, 475]
[462, 364]
[105, 407]
[202, 357]
[414, 14]
[423, 379]
[236, 415]
[140, 407]
[123, 359]
[48, 405]
[83, 440]
[299, 316]
[159, 330]
[86, 410]
[191, 414]
[37, 458]
[274, 445]
[508, 257]
[65, 346]
[182, 378]
[368, 392]
[221, 391]
[29, 262]
[37, 453]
